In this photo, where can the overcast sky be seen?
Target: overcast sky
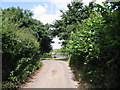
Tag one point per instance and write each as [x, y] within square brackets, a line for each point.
[47, 11]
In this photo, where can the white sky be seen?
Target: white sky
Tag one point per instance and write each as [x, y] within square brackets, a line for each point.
[57, 44]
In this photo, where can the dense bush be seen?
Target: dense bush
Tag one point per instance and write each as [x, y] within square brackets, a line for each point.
[93, 42]
[22, 46]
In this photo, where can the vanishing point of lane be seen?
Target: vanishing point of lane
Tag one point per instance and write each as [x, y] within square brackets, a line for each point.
[54, 74]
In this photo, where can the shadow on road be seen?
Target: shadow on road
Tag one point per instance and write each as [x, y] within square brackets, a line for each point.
[57, 59]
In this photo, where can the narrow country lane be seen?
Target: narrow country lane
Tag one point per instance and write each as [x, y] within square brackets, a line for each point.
[54, 74]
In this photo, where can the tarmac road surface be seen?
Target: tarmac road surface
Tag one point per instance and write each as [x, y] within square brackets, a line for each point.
[53, 74]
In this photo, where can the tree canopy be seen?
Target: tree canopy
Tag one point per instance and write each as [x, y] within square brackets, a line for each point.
[24, 42]
[91, 35]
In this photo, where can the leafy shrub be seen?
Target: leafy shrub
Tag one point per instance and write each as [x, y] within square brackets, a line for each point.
[21, 46]
[93, 44]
